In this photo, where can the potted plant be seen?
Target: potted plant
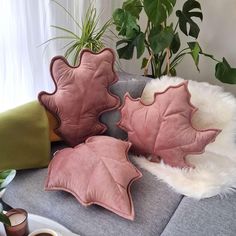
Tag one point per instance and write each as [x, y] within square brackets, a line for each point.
[3, 218]
[91, 35]
[160, 38]
[5, 178]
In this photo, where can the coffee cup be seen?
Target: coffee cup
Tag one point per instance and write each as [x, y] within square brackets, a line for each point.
[44, 232]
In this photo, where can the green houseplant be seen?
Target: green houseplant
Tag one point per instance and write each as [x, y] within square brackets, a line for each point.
[91, 35]
[161, 39]
[6, 177]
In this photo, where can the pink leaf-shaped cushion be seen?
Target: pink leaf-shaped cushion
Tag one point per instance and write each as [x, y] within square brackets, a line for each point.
[96, 172]
[163, 129]
[81, 94]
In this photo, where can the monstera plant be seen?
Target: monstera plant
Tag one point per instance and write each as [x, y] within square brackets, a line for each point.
[160, 38]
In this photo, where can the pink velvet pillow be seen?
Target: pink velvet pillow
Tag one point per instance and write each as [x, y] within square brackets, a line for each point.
[164, 129]
[81, 94]
[96, 172]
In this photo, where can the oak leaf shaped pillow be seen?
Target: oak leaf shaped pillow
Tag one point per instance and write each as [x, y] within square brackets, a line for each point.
[163, 129]
[81, 94]
[96, 172]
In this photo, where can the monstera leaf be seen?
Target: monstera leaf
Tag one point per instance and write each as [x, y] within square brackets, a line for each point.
[134, 7]
[163, 129]
[81, 94]
[158, 10]
[96, 172]
[160, 39]
[125, 23]
[186, 15]
[225, 73]
[125, 47]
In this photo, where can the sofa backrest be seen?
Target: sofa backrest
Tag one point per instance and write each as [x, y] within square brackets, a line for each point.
[134, 85]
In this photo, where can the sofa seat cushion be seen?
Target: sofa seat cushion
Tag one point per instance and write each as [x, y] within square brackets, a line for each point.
[154, 205]
[213, 216]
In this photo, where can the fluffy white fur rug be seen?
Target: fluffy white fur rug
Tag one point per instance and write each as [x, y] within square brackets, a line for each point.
[215, 171]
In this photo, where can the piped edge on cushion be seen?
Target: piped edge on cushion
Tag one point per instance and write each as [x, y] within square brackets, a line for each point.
[194, 109]
[57, 132]
[130, 216]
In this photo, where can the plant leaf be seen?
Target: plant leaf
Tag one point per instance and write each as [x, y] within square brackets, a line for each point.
[144, 62]
[125, 23]
[195, 51]
[175, 44]
[71, 49]
[127, 51]
[158, 10]
[68, 13]
[185, 18]
[134, 7]
[6, 177]
[4, 219]
[65, 30]
[91, 35]
[173, 72]
[225, 73]
[139, 44]
[160, 40]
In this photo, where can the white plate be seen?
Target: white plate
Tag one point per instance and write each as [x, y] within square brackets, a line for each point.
[39, 222]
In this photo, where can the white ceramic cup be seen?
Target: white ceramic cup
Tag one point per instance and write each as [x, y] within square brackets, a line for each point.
[46, 231]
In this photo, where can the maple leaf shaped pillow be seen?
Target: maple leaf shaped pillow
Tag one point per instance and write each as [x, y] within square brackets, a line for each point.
[96, 172]
[163, 129]
[81, 94]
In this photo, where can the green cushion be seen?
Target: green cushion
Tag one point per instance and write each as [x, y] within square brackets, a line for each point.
[24, 137]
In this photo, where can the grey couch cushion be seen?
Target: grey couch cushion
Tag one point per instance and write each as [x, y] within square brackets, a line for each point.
[209, 217]
[154, 205]
[134, 84]
[154, 202]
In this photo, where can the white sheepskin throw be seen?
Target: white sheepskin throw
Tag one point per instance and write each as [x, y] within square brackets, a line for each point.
[215, 169]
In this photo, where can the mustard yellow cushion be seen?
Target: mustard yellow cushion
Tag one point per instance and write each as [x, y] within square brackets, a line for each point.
[24, 137]
[53, 123]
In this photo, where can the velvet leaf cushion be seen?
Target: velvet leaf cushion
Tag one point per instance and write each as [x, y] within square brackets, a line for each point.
[96, 172]
[81, 94]
[163, 129]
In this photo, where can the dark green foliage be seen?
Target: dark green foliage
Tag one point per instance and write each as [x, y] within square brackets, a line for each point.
[160, 39]
[185, 18]
[225, 73]
[158, 10]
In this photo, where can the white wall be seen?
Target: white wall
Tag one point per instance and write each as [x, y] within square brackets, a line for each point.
[217, 37]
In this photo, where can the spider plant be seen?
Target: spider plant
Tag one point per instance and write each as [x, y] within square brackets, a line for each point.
[91, 35]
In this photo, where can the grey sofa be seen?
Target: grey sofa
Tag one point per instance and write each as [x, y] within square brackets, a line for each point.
[159, 210]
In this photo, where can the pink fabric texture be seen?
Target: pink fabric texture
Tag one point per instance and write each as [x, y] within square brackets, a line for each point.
[81, 94]
[163, 129]
[96, 172]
